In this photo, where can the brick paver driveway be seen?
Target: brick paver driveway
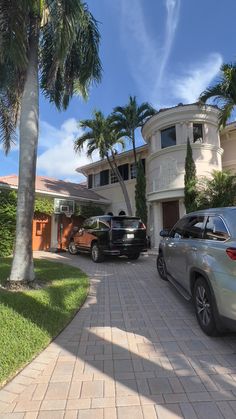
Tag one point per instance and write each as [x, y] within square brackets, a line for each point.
[133, 351]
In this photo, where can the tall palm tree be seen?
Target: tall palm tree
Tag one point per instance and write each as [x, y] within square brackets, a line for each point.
[130, 117]
[223, 92]
[47, 44]
[101, 136]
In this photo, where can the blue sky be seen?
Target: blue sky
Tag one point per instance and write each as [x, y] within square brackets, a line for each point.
[162, 51]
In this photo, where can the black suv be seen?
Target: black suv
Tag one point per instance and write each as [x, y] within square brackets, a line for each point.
[110, 235]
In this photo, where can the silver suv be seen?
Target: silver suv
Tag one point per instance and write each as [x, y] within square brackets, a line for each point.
[198, 256]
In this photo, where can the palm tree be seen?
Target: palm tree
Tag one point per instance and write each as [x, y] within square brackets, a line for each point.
[130, 117]
[223, 93]
[47, 44]
[217, 191]
[101, 136]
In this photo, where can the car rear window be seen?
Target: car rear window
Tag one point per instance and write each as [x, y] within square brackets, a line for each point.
[127, 223]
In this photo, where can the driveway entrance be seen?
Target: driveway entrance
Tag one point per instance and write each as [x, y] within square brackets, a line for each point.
[134, 351]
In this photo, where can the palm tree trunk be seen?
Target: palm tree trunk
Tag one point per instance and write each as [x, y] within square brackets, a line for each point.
[22, 266]
[134, 149]
[122, 184]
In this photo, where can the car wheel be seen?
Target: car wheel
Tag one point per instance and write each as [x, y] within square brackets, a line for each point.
[96, 253]
[204, 307]
[134, 256]
[72, 248]
[161, 267]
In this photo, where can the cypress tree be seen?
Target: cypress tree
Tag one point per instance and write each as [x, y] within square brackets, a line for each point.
[140, 193]
[190, 181]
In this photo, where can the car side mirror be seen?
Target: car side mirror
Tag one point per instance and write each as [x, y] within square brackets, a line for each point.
[80, 232]
[164, 233]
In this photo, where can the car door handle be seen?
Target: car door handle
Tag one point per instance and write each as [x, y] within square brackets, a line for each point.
[194, 248]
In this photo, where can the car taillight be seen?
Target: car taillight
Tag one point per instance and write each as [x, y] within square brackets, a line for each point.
[231, 252]
[142, 226]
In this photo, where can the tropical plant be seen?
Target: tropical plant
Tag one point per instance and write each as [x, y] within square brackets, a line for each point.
[190, 181]
[8, 201]
[217, 191]
[140, 193]
[100, 136]
[223, 93]
[88, 210]
[130, 117]
[47, 44]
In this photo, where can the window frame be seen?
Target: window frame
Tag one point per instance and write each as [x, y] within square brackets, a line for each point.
[225, 224]
[186, 219]
[166, 129]
[199, 124]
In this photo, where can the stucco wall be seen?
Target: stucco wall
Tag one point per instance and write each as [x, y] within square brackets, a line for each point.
[114, 193]
[228, 143]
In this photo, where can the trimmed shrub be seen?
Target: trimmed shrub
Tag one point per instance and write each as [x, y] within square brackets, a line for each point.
[8, 201]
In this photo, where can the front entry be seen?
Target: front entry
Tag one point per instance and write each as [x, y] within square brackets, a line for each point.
[170, 214]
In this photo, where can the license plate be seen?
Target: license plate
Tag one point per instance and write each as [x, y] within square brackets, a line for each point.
[130, 236]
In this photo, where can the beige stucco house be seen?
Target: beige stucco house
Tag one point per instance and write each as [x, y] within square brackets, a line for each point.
[165, 135]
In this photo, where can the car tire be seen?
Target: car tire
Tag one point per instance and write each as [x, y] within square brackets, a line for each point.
[72, 248]
[204, 307]
[96, 254]
[161, 267]
[133, 256]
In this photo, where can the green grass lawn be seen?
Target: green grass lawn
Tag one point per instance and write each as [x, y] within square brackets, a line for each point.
[29, 319]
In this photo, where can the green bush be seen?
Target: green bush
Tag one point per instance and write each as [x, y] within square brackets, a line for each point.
[8, 200]
[88, 210]
[8, 204]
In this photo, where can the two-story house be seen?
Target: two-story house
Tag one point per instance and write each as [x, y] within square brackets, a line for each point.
[163, 155]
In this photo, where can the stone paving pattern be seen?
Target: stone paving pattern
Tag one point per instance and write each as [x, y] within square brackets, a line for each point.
[134, 350]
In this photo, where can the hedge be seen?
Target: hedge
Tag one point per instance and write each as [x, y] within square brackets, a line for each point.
[8, 203]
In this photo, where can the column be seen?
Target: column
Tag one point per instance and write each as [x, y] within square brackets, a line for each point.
[158, 222]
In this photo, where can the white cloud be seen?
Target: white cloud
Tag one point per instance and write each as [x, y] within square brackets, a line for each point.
[147, 59]
[173, 8]
[58, 158]
[189, 86]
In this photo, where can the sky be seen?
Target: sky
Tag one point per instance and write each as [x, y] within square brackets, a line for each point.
[162, 51]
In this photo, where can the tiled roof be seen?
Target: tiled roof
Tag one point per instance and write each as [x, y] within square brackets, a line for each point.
[57, 188]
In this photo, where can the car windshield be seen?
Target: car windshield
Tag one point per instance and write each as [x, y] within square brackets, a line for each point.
[127, 223]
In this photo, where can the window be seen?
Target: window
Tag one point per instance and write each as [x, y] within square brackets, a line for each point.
[104, 177]
[189, 228]
[90, 223]
[97, 180]
[113, 177]
[168, 137]
[90, 181]
[216, 229]
[133, 169]
[104, 225]
[124, 171]
[194, 227]
[126, 223]
[197, 133]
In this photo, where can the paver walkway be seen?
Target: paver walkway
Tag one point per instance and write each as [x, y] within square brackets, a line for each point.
[133, 351]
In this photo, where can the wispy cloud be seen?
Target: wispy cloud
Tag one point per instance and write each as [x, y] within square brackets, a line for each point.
[147, 59]
[195, 79]
[173, 8]
[57, 157]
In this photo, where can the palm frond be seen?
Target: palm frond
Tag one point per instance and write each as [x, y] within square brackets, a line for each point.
[70, 46]
[225, 113]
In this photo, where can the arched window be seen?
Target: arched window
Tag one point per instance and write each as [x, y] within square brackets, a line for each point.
[122, 213]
